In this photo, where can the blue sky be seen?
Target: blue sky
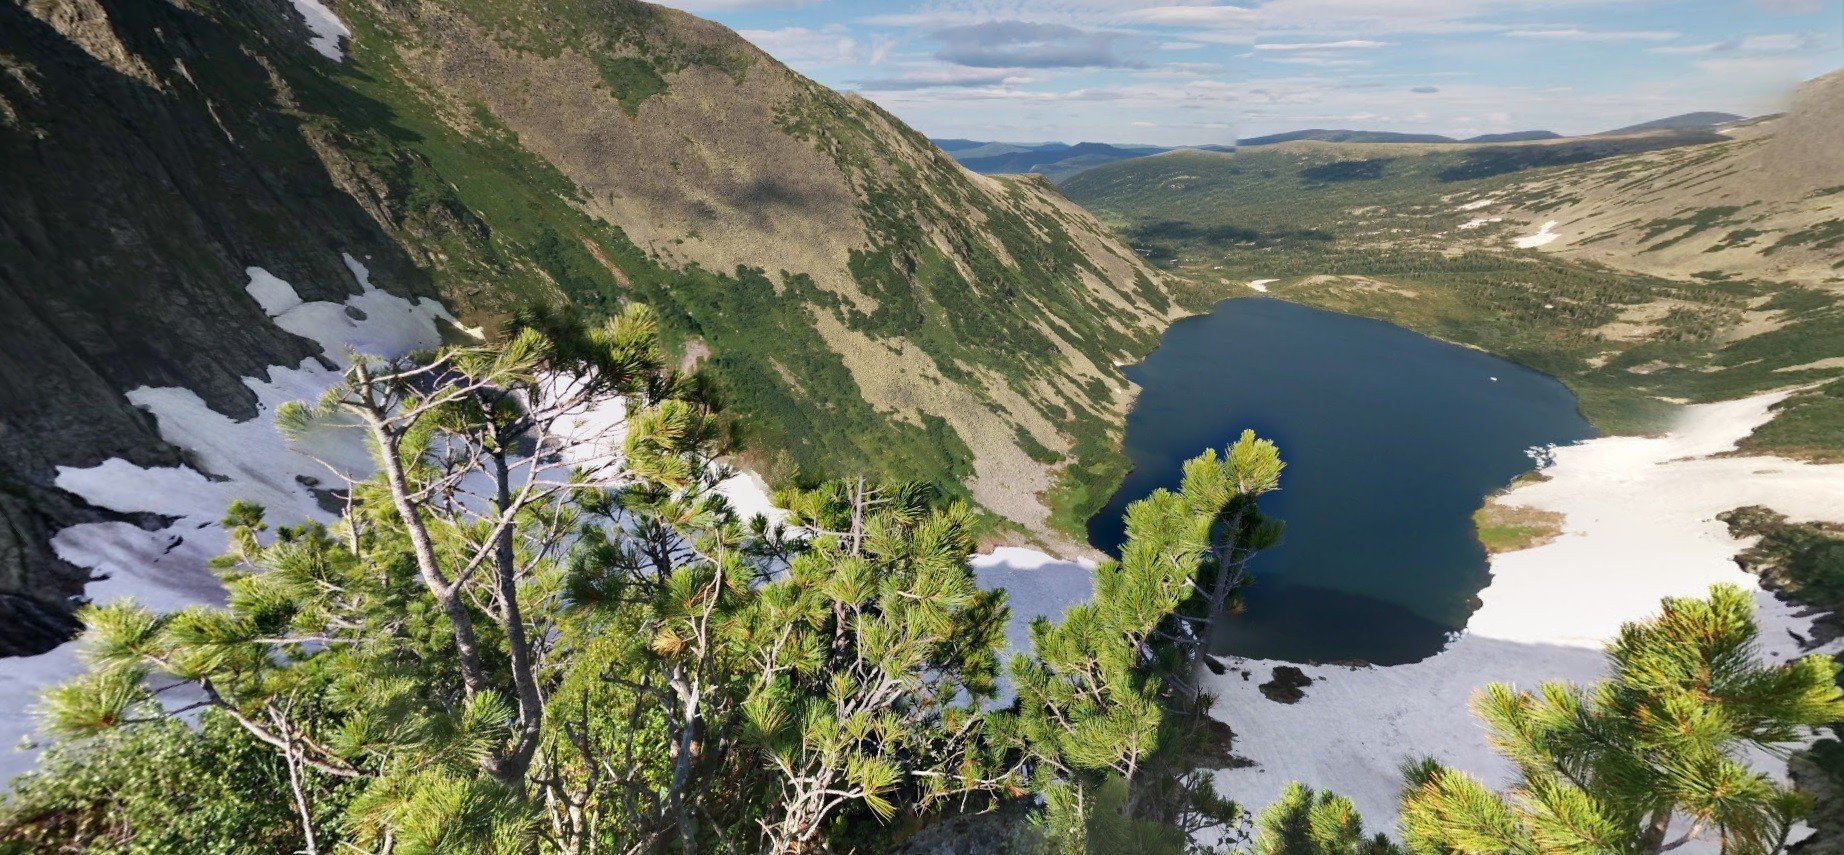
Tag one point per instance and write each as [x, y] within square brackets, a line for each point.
[1208, 71]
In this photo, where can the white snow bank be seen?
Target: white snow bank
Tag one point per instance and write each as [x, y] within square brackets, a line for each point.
[1038, 585]
[1639, 525]
[167, 568]
[1543, 236]
[1262, 284]
[1476, 222]
[326, 28]
[1474, 206]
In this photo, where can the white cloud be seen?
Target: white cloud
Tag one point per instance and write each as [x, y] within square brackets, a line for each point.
[1576, 34]
[802, 47]
[1347, 44]
[735, 5]
[1321, 61]
[1194, 16]
[1767, 43]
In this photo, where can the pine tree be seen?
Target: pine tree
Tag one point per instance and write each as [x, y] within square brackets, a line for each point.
[1118, 678]
[412, 648]
[875, 653]
[1660, 744]
[1305, 822]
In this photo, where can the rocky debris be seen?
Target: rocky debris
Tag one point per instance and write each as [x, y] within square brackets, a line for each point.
[1288, 685]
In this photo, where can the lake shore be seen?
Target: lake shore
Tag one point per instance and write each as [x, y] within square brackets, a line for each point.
[1639, 524]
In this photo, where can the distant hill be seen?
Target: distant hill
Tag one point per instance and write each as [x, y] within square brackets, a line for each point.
[1684, 122]
[1514, 136]
[1343, 135]
[1055, 161]
[953, 145]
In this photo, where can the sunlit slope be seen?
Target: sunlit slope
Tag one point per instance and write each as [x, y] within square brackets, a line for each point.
[865, 304]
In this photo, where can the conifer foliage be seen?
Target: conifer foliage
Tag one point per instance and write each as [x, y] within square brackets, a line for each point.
[541, 627]
[1645, 760]
[1116, 683]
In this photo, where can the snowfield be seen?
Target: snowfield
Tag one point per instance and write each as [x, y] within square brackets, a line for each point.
[326, 28]
[166, 567]
[1640, 524]
[1543, 237]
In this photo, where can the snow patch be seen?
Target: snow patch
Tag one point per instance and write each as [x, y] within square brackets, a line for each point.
[1037, 585]
[1262, 284]
[167, 568]
[1640, 524]
[326, 28]
[1542, 237]
[1474, 206]
[1476, 222]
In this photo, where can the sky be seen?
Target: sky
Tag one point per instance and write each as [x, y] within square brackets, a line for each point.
[1198, 72]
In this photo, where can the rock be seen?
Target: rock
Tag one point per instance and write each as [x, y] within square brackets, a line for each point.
[1287, 685]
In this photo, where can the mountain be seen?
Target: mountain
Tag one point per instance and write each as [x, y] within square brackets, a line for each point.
[1766, 199]
[953, 145]
[1325, 135]
[1683, 122]
[863, 303]
[1054, 161]
[1514, 136]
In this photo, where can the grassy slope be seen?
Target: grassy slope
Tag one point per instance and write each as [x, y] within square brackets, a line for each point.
[989, 291]
[1373, 230]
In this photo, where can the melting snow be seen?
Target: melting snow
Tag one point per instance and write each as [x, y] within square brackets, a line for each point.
[325, 26]
[1543, 236]
[166, 568]
[1640, 525]
[1474, 206]
[1262, 284]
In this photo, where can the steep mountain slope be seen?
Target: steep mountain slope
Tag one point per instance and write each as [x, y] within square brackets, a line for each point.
[865, 304]
[1645, 271]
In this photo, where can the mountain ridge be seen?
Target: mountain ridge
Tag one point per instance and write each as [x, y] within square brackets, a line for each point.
[867, 305]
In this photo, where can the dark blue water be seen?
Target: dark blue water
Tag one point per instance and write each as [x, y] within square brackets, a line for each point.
[1392, 439]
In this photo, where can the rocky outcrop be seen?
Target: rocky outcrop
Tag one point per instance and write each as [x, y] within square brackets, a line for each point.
[146, 167]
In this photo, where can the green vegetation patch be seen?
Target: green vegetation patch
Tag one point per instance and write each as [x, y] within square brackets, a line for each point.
[1508, 528]
[632, 79]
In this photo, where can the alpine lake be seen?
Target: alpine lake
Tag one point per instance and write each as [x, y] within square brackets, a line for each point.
[1392, 440]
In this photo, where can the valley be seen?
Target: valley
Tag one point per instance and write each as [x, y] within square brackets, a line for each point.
[1426, 237]
[1069, 499]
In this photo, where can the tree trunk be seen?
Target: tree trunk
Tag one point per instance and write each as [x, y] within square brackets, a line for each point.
[473, 673]
[512, 769]
[1652, 841]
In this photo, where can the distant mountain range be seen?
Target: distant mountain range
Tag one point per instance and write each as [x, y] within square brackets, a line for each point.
[1684, 122]
[1059, 161]
[1053, 160]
